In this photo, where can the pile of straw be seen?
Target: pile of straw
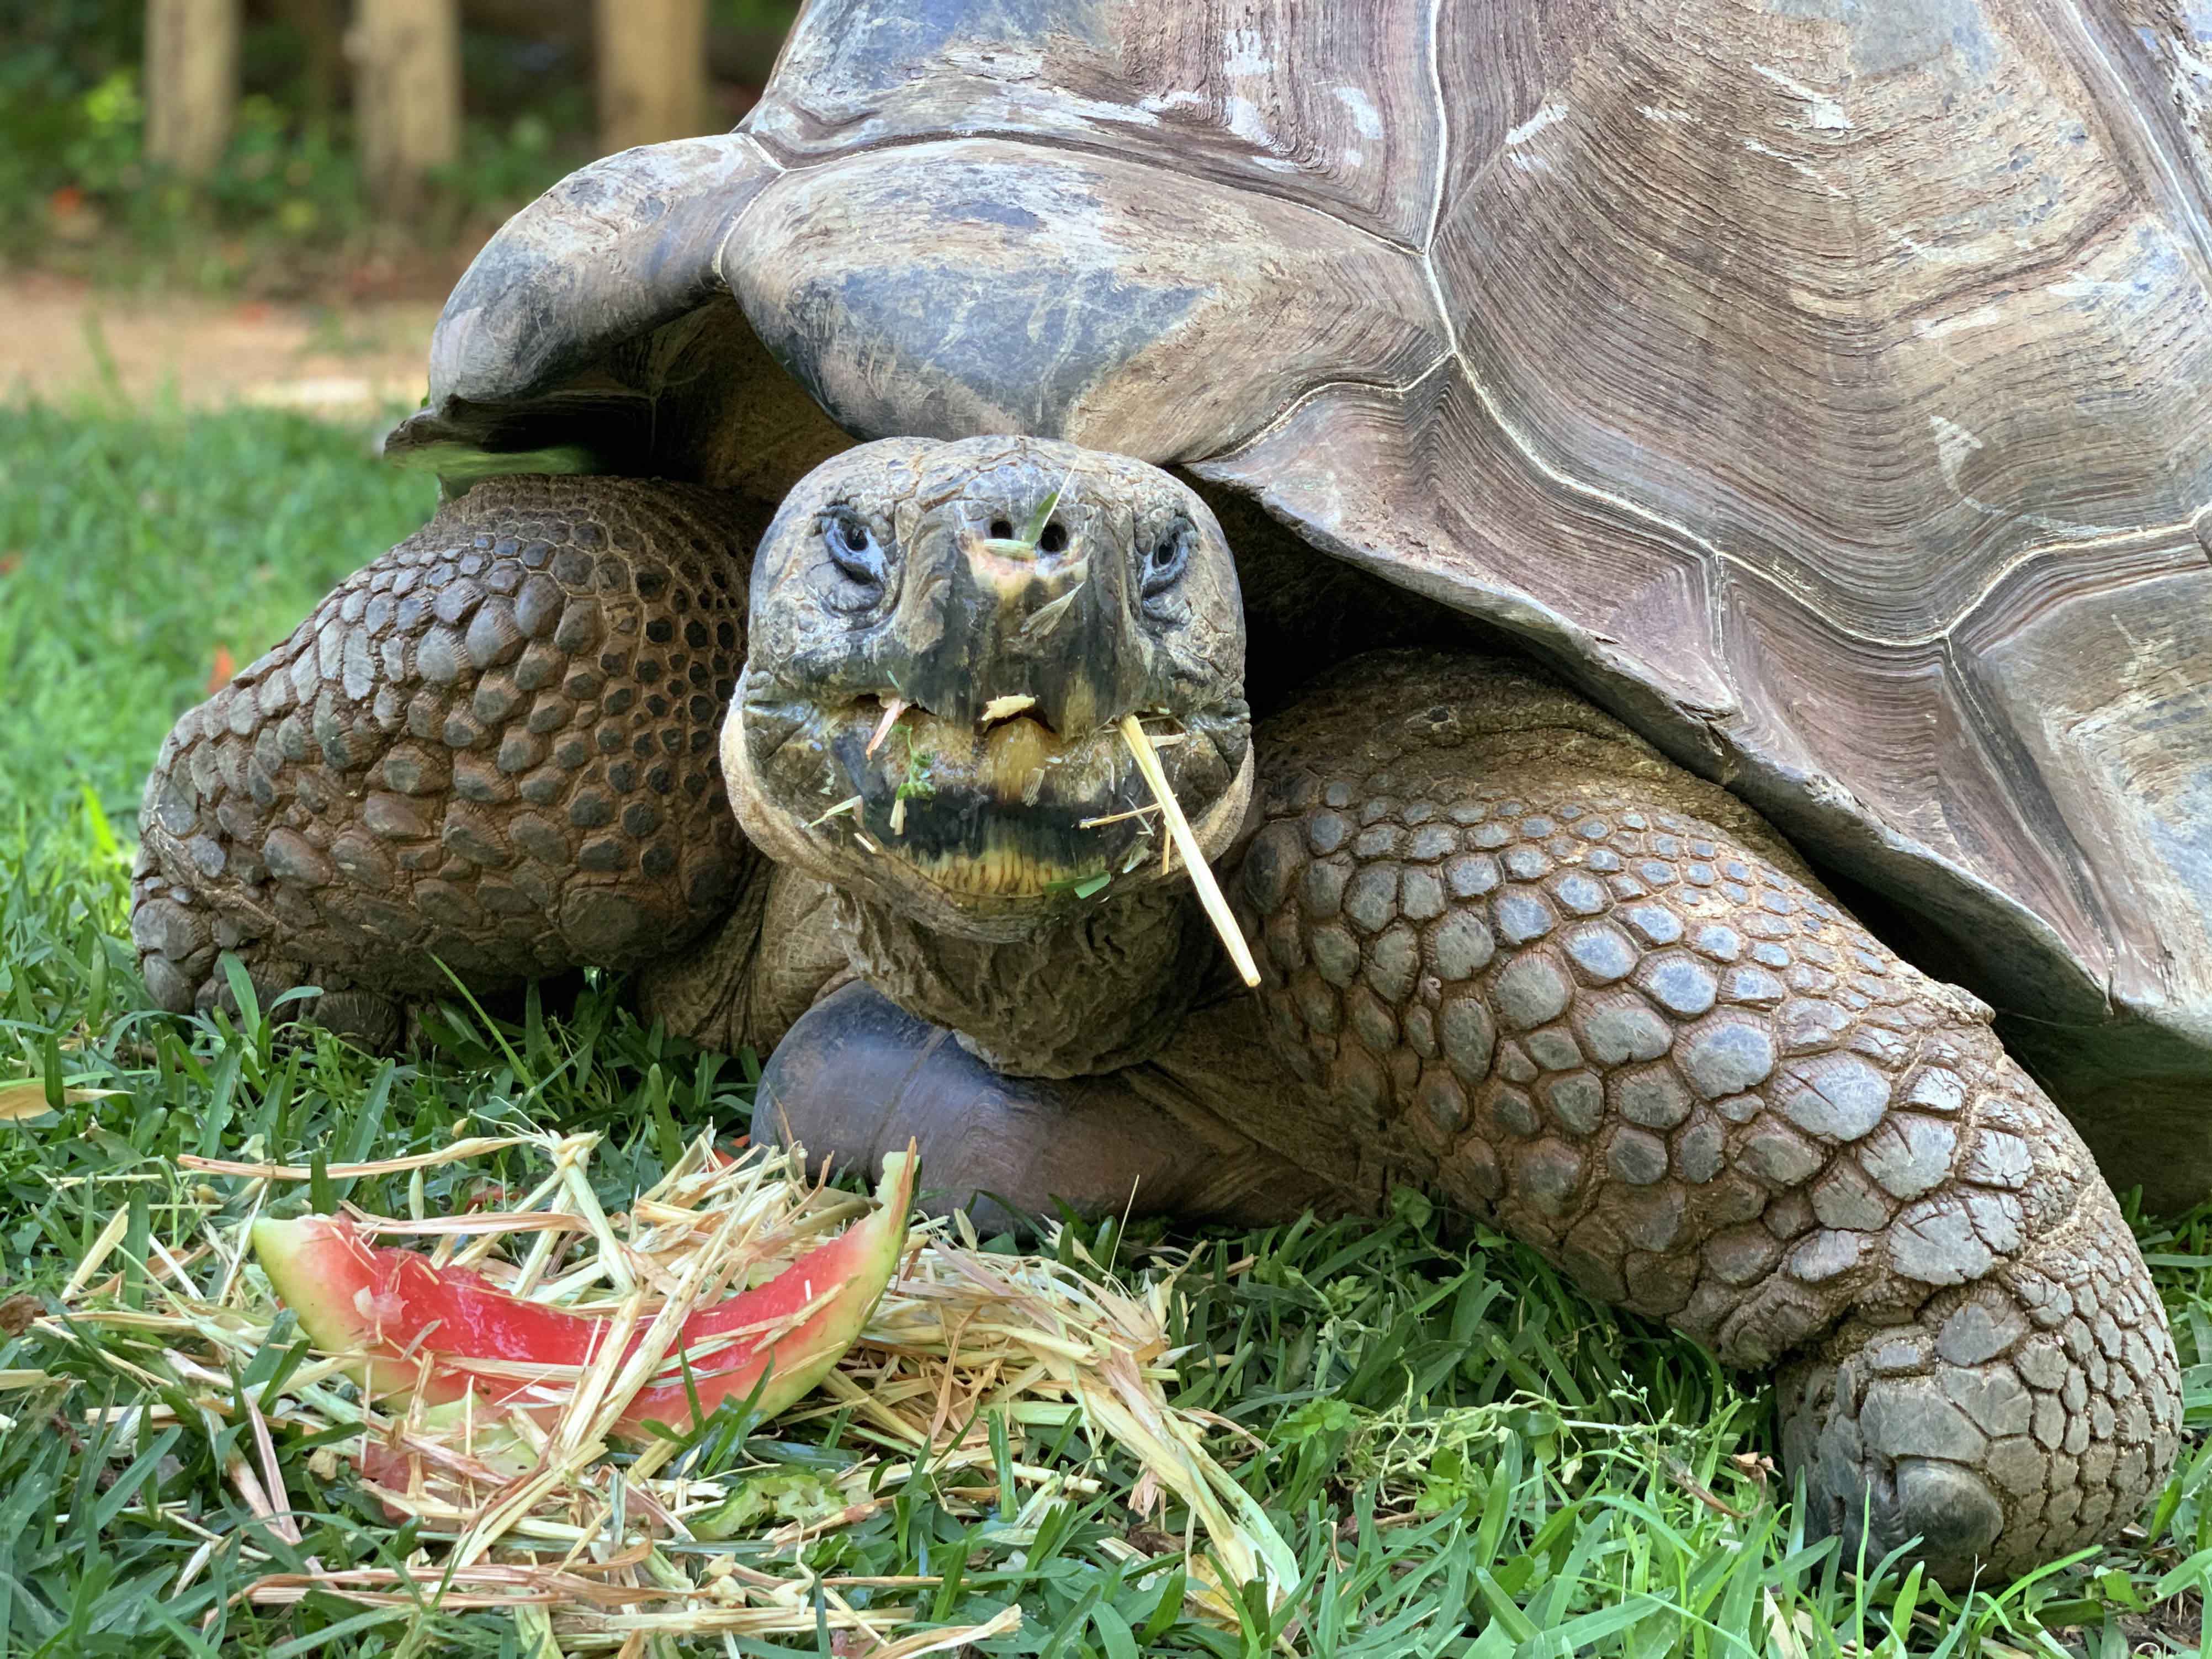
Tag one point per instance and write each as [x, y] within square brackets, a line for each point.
[593, 1547]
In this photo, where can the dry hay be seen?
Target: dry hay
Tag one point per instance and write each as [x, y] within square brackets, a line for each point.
[593, 1549]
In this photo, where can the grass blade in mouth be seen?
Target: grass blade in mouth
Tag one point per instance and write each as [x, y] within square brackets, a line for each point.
[1201, 874]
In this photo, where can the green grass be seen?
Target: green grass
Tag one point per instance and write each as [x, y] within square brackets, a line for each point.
[1467, 1457]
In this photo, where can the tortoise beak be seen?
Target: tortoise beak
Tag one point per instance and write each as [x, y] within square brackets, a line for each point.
[986, 618]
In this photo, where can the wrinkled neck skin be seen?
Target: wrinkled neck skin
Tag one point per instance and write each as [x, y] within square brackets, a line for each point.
[948, 643]
[1090, 992]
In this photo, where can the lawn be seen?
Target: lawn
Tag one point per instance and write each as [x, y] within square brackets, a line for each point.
[1464, 1455]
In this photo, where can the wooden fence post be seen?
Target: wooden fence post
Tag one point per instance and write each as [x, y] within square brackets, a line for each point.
[191, 81]
[407, 94]
[652, 71]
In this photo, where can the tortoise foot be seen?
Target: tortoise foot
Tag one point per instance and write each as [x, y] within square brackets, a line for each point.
[180, 938]
[2010, 1423]
[858, 1076]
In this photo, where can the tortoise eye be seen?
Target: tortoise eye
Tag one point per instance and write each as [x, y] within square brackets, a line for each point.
[1167, 559]
[854, 547]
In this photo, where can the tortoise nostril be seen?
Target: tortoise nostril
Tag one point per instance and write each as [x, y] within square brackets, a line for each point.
[1002, 530]
[1054, 537]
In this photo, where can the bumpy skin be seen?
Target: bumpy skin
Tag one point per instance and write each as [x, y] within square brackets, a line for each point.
[494, 746]
[1100, 991]
[1591, 996]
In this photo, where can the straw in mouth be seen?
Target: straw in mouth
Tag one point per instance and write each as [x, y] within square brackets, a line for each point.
[1201, 874]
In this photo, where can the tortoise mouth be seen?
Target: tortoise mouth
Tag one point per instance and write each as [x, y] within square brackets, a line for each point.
[1004, 812]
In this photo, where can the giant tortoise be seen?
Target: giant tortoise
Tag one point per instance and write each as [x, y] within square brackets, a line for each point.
[1640, 479]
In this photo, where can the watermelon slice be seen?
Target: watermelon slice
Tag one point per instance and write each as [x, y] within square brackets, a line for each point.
[393, 1309]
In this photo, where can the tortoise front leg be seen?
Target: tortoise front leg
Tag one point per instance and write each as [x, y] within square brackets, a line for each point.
[1596, 998]
[493, 747]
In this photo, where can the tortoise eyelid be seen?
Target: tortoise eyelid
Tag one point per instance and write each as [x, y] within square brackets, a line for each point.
[853, 545]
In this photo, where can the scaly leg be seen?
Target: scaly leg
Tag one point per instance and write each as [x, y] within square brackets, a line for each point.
[1596, 998]
[492, 747]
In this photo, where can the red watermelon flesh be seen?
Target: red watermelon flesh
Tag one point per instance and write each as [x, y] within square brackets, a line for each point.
[394, 1309]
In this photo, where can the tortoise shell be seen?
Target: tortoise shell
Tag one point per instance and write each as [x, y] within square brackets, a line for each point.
[1819, 384]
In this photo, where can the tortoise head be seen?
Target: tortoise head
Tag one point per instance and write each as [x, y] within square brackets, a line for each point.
[946, 640]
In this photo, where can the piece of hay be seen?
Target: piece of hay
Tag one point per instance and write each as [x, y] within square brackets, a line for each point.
[597, 1551]
[1201, 875]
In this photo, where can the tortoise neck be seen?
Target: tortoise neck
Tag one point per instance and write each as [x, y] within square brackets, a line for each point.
[1102, 989]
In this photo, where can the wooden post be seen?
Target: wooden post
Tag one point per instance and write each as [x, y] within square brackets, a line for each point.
[652, 71]
[191, 81]
[407, 94]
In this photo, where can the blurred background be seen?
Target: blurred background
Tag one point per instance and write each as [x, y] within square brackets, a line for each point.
[263, 201]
